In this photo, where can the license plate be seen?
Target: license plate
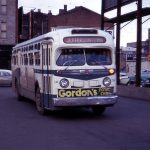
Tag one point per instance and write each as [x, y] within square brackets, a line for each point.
[85, 92]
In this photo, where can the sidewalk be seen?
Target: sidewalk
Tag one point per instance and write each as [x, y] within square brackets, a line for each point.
[134, 92]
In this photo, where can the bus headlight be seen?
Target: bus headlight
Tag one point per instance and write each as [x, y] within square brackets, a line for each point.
[106, 81]
[111, 71]
[64, 83]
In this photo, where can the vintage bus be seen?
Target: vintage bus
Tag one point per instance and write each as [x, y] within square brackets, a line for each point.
[72, 67]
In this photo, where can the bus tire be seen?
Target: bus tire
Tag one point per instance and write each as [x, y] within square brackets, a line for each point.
[39, 106]
[98, 110]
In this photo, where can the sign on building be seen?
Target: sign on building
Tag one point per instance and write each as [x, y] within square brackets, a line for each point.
[131, 56]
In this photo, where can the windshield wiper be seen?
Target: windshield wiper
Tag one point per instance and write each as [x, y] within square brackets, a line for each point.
[104, 66]
[71, 62]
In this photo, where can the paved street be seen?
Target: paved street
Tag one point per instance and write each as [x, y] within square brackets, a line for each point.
[126, 126]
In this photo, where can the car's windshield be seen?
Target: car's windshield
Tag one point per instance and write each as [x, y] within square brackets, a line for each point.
[5, 73]
[78, 57]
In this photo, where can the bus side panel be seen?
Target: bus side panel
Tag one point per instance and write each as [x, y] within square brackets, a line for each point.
[30, 80]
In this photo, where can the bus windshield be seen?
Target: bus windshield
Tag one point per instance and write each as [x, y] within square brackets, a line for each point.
[78, 57]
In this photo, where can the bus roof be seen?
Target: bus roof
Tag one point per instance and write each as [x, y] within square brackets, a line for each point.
[67, 32]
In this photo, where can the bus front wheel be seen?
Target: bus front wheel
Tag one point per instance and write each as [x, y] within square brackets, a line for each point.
[39, 106]
[98, 109]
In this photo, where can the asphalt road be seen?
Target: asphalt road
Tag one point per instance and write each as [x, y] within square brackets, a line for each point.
[126, 126]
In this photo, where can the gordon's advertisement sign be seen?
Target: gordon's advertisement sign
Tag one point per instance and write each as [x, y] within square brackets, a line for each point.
[85, 92]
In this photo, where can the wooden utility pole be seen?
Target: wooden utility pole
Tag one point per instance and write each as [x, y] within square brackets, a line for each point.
[139, 43]
[118, 41]
[102, 15]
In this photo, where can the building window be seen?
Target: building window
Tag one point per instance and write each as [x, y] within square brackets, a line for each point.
[3, 2]
[3, 6]
[3, 26]
[4, 9]
[3, 35]
[3, 30]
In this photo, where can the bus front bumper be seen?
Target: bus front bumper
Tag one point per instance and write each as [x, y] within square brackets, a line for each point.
[85, 101]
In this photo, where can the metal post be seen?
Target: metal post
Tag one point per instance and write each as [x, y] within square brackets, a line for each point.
[118, 41]
[139, 44]
[31, 23]
[102, 14]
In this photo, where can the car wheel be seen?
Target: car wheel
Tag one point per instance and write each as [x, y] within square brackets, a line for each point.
[39, 106]
[98, 109]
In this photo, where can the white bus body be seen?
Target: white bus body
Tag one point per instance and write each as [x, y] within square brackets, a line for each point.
[56, 69]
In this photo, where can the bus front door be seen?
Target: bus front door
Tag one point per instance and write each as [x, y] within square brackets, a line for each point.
[46, 79]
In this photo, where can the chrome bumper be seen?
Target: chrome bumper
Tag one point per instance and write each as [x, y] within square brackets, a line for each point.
[85, 101]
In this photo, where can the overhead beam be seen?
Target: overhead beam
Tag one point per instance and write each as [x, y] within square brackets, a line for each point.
[130, 16]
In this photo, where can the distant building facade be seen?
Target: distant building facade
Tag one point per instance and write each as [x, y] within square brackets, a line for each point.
[145, 45]
[34, 23]
[128, 56]
[31, 24]
[128, 61]
[8, 30]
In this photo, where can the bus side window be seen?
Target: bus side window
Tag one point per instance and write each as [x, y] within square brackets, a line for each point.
[37, 58]
[35, 47]
[38, 46]
[22, 59]
[49, 58]
[25, 59]
[31, 62]
[14, 60]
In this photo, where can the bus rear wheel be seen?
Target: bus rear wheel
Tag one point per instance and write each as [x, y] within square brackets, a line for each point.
[98, 110]
[39, 106]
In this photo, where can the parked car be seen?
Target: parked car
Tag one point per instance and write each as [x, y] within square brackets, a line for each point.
[145, 79]
[5, 77]
[124, 78]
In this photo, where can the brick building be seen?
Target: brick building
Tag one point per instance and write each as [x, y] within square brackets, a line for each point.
[31, 24]
[77, 17]
[8, 30]
[145, 45]
[34, 24]
[128, 56]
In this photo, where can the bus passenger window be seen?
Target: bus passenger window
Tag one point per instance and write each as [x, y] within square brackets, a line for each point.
[38, 46]
[14, 60]
[31, 59]
[35, 46]
[25, 59]
[37, 58]
[21, 60]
